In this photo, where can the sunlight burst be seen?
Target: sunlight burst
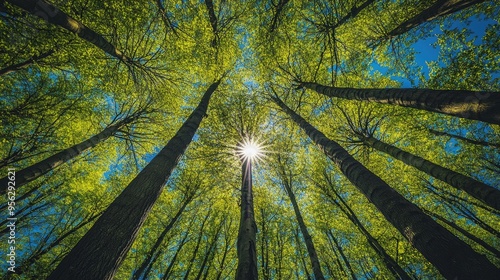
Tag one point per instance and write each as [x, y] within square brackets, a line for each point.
[250, 149]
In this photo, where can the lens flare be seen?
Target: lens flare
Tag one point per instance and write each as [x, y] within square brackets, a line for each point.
[250, 150]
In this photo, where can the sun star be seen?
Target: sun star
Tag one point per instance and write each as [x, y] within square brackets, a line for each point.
[250, 149]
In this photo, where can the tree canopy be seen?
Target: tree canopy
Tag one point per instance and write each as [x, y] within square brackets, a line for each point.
[379, 124]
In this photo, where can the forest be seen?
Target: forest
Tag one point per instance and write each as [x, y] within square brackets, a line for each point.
[250, 139]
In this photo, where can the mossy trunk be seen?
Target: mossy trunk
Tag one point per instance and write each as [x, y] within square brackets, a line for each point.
[451, 256]
[102, 249]
[475, 105]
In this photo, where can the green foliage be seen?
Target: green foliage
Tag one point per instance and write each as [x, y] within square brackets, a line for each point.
[75, 90]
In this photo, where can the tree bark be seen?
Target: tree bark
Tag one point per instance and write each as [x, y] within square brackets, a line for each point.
[102, 249]
[40, 168]
[483, 192]
[475, 105]
[246, 244]
[53, 15]
[439, 9]
[451, 256]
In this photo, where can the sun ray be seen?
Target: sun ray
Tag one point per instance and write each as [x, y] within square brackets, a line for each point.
[250, 149]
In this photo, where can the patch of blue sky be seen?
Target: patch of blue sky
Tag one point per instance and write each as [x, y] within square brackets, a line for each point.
[427, 50]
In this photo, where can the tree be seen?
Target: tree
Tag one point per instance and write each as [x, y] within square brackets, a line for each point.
[247, 256]
[34, 171]
[286, 178]
[439, 8]
[482, 106]
[130, 208]
[53, 15]
[420, 230]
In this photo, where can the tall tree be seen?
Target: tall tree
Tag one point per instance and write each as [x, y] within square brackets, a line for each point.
[483, 192]
[439, 8]
[451, 256]
[53, 15]
[113, 233]
[337, 199]
[286, 178]
[474, 105]
[40, 168]
[246, 245]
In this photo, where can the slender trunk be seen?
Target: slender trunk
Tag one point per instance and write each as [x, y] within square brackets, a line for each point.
[475, 105]
[355, 10]
[390, 263]
[114, 232]
[439, 9]
[451, 256]
[174, 258]
[467, 234]
[264, 245]
[40, 168]
[211, 246]
[464, 139]
[148, 260]
[247, 257]
[487, 194]
[197, 247]
[313, 256]
[227, 247]
[277, 14]
[35, 257]
[341, 268]
[53, 15]
[26, 63]
[166, 20]
[330, 234]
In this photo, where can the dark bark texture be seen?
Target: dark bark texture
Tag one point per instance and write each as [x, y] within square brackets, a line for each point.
[102, 249]
[246, 244]
[475, 105]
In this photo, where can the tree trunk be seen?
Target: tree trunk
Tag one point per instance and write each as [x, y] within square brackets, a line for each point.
[390, 263]
[330, 235]
[464, 139]
[313, 256]
[439, 9]
[487, 194]
[210, 251]
[197, 247]
[247, 257]
[40, 168]
[451, 256]
[148, 260]
[114, 232]
[467, 234]
[355, 10]
[166, 275]
[475, 105]
[53, 15]
[26, 63]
